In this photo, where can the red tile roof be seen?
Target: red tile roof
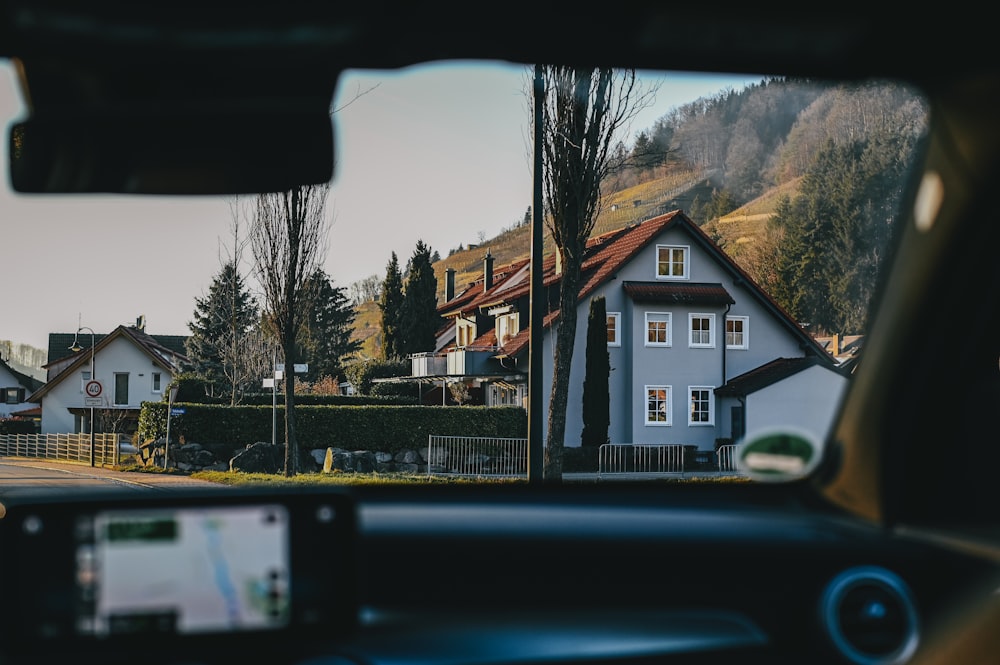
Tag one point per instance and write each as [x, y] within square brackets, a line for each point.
[604, 256]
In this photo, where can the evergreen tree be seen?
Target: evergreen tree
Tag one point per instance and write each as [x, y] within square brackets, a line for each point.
[390, 304]
[836, 231]
[221, 318]
[419, 320]
[596, 391]
[326, 337]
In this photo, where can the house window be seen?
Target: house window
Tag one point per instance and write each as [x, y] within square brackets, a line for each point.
[502, 394]
[121, 389]
[157, 386]
[702, 411]
[672, 261]
[506, 327]
[657, 405]
[13, 395]
[658, 329]
[465, 333]
[702, 328]
[737, 332]
[84, 378]
[614, 328]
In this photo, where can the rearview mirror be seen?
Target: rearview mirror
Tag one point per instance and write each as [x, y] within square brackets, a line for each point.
[171, 151]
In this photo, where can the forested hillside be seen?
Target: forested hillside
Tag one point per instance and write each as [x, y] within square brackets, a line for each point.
[798, 181]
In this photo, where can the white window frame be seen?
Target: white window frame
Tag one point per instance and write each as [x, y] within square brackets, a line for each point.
[156, 382]
[506, 326]
[668, 406]
[711, 406]
[686, 263]
[465, 333]
[84, 378]
[660, 317]
[617, 325]
[711, 330]
[745, 320]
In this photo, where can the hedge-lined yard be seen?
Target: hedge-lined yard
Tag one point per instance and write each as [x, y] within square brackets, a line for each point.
[371, 427]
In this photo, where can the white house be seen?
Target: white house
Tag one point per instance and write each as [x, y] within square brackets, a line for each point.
[129, 367]
[684, 321]
[15, 387]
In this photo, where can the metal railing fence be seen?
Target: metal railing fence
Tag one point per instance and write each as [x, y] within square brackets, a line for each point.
[71, 447]
[477, 456]
[637, 459]
[726, 458]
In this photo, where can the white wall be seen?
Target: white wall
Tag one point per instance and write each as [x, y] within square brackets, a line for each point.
[807, 400]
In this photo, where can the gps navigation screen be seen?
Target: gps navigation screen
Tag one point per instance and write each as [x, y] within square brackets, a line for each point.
[183, 570]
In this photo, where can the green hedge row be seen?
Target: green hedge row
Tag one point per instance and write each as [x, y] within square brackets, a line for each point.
[382, 428]
[11, 426]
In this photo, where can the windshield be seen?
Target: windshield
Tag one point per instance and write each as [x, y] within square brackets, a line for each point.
[724, 237]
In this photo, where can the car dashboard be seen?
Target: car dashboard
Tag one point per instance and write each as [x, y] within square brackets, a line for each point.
[478, 575]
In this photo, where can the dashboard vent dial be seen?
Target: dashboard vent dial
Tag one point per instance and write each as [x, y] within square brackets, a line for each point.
[871, 617]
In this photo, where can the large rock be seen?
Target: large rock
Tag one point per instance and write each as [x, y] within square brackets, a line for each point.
[259, 457]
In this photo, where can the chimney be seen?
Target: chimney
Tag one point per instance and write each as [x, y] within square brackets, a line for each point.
[487, 272]
[449, 284]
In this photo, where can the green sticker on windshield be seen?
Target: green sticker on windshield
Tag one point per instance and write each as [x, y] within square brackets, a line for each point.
[779, 454]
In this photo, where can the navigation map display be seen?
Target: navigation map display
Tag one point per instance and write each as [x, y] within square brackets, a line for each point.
[184, 570]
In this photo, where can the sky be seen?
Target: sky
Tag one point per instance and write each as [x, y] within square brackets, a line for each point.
[440, 154]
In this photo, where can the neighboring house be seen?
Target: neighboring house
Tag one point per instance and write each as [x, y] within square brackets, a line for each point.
[15, 387]
[845, 349]
[684, 321]
[131, 366]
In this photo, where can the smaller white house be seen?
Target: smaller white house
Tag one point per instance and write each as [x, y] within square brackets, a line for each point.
[125, 368]
[802, 393]
[15, 387]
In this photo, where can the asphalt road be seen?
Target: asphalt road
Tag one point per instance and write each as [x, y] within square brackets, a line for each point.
[21, 476]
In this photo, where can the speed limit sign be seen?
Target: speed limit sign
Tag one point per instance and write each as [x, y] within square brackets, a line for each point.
[93, 388]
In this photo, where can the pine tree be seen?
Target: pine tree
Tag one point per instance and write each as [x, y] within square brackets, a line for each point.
[222, 317]
[419, 321]
[391, 303]
[596, 391]
[326, 337]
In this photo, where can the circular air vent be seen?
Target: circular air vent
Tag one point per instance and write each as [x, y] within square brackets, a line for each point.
[870, 615]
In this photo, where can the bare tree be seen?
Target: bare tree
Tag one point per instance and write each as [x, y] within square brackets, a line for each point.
[584, 109]
[288, 236]
[366, 290]
[246, 357]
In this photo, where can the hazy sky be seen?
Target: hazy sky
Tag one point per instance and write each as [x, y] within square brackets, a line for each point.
[440, 155]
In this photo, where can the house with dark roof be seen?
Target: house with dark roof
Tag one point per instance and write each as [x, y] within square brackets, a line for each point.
[687, 331]
[15, 387]
[129, 367]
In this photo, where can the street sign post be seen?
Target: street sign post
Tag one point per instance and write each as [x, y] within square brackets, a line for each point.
[92, 391]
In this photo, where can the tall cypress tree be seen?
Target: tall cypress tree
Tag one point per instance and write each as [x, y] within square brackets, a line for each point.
[326, 337]
[420, 321]
[596, 390]
[226, 313]
[391, 304]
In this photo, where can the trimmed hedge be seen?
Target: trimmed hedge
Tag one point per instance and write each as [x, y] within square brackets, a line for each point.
[11, 426]
[380, 428]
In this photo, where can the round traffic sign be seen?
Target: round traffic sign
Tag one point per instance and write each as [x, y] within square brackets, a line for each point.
[94, 388]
